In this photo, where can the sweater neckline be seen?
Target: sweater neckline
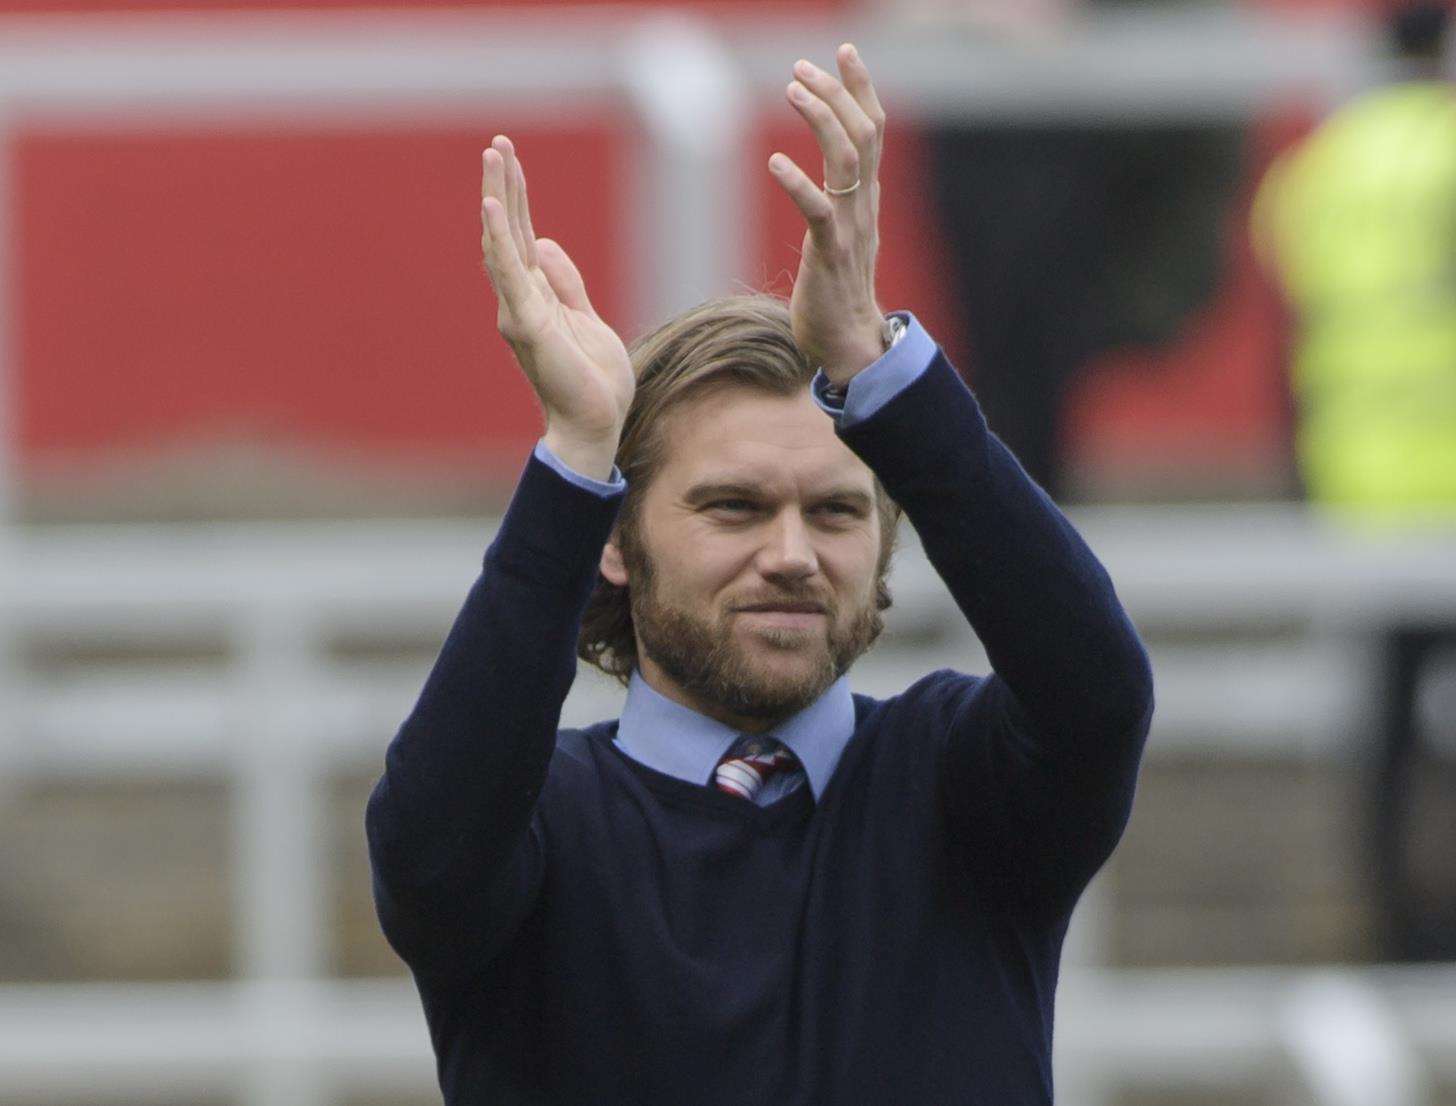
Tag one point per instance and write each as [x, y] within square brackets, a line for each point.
[699, 795]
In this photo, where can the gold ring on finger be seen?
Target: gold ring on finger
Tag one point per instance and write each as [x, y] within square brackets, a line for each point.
[840, 191]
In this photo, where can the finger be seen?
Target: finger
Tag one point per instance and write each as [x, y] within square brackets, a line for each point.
[841, 159]
[856, 77]
[857, 125]
[564, 277]
[527, 231]
[512, 282]
[507, 150]
[492, 186]
[808, 197]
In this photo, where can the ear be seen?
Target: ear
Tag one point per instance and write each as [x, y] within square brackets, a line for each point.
[613, 568]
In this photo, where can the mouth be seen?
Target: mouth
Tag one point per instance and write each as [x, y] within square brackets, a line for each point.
[799, 607]
[802, 616]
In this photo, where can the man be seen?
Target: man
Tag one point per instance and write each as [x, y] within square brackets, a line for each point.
[1358, 226]
[755, 886]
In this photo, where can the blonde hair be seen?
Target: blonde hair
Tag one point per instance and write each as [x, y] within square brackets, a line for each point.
[744, 339]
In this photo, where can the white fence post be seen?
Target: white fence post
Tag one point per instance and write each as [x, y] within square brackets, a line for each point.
[279, 824]
[689, 198]
[1348, 1048]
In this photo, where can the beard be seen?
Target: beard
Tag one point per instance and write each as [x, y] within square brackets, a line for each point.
[702, 655]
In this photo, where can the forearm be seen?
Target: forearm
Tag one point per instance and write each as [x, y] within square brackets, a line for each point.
[464, 771]
[1034, 593]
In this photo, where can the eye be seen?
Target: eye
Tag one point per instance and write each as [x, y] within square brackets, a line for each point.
[837, 508]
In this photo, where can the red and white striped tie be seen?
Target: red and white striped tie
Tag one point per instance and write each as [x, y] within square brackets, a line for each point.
[756, 761]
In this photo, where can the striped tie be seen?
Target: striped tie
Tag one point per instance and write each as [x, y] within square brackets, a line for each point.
[751, 764]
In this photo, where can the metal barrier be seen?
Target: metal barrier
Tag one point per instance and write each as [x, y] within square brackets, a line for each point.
[1217, 1031]
[287, 708]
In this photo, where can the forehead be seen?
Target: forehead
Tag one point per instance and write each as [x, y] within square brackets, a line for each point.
[745, 434]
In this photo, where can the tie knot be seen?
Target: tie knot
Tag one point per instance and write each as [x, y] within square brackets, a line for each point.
[750, 764]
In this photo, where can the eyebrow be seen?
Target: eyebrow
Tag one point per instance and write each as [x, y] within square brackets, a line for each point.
[732, 489]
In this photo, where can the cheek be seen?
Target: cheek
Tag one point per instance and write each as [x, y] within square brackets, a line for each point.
[850, 564]
[722, 555]
[701, 570]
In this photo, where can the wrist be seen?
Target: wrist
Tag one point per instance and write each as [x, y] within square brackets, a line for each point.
[860, 357]
[590, 455]
[864, 352]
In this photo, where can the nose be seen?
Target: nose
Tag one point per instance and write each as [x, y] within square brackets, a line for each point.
[787, 550]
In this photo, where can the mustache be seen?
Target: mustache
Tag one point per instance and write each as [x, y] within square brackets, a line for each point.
[788, 601]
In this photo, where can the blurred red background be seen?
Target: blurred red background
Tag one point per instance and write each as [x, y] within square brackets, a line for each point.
[322, 287]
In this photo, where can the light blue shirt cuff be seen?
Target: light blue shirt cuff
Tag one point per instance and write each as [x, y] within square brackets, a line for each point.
[547, 456]
[881, 381]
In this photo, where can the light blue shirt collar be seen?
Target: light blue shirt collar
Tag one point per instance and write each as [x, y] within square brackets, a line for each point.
[678, 741]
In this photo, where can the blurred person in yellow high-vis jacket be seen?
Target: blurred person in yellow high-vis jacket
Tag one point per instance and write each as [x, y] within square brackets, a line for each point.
[1358, 224]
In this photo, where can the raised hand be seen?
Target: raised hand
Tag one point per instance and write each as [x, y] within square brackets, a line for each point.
[837, 322]
[576, 363]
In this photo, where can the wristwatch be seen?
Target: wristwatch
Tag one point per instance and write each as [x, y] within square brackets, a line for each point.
[894, 330]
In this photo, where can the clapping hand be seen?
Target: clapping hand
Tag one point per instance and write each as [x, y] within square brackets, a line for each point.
[837, 323]
[575, 362]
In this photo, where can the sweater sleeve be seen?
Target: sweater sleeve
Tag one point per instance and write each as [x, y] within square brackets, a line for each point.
[454, 844]
[1039, 760]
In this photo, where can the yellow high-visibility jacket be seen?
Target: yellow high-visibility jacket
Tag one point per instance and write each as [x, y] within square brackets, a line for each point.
[1359, 223]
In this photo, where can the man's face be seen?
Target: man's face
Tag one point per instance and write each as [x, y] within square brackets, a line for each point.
[753, 573]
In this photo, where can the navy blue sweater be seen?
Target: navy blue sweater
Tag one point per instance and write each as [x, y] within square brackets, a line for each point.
[584, 929]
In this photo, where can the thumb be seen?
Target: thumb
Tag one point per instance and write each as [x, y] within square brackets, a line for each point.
[563, 276]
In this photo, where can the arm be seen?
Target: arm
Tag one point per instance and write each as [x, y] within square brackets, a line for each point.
[457, 860]
[1039, 760]
[455, 848]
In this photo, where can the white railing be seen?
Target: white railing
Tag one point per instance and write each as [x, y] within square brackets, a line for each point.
[1235, 1031]
[284, 711]
[1386, 1033]
[275, 595]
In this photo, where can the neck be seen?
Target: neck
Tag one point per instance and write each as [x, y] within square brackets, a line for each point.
[668, 688]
